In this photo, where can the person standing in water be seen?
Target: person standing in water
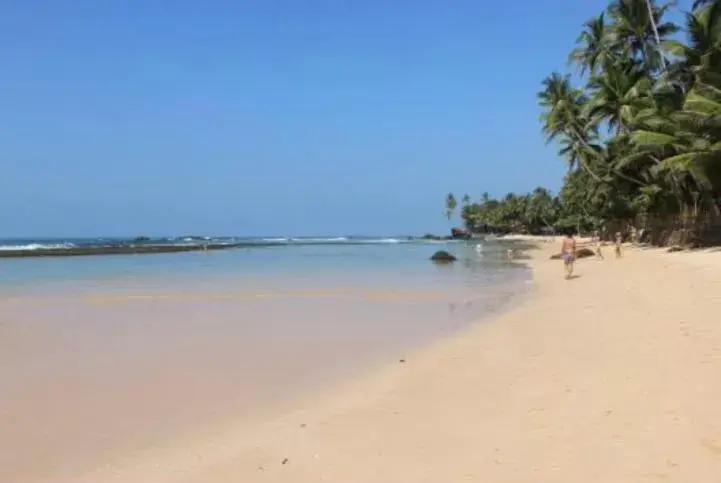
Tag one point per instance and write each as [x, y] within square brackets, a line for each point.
[568, 252]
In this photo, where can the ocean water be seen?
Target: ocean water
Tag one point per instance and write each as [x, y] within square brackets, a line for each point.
[259, 262]
[102, 356]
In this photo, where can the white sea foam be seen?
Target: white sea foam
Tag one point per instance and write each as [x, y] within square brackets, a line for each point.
[36, 246]
[384, 240]
[320, 240]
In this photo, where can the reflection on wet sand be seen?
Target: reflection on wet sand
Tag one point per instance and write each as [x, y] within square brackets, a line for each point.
[199, 296]
[93, 375]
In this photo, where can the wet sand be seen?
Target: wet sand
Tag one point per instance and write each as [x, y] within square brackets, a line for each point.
[90, 377]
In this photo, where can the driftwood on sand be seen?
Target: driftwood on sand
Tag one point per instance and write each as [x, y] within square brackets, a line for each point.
[580, 253]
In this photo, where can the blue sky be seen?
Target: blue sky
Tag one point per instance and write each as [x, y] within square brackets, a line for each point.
[126, 117]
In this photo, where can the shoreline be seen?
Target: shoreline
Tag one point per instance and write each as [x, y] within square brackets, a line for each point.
[604, 378]
[142, 247]
[149, 368]
[612, 376]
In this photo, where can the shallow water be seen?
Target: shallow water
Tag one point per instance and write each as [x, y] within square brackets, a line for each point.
[102, 356]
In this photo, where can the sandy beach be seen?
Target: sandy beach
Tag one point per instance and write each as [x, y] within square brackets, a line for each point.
[610, 377]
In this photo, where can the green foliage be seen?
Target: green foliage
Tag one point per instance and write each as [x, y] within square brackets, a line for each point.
[641, 135]
[530, 213]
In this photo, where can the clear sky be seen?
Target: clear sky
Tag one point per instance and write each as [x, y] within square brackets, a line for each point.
[270, 117]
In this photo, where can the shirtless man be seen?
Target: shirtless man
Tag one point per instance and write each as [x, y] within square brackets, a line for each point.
[568, 252]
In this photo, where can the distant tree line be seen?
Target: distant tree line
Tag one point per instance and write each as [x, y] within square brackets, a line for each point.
[536, 212]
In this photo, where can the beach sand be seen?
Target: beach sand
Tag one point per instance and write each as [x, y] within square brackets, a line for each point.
[96, 369]
[614, 376]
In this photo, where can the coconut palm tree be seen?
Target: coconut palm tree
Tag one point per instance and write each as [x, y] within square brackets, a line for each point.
[638, 28]
[641, 133]
[540, 209]
[645, 126]
[564, 120]
[617, 94]
[593, 51]
[451, 205]
[701, 3]
[701, 54]
[687, 143]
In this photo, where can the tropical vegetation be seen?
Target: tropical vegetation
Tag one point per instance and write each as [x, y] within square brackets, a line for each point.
[640, 132]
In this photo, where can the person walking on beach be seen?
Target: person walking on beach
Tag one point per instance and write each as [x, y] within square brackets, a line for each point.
[619, 240]
[568, 252]
[597, 243]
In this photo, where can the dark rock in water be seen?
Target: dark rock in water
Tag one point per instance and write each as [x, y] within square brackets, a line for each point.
[580, 253]
[442, 256]
[142, 238]
[460, 233]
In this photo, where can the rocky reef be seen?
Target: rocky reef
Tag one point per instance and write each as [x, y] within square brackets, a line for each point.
[114, 250]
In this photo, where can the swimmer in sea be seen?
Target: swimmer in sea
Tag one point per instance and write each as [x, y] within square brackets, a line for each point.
[568, 252]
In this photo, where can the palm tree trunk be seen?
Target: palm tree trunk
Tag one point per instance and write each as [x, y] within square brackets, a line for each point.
[628, 178]
[584, 165]
[655, 34]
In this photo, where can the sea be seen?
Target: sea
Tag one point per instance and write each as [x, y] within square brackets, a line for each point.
[104, 355]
